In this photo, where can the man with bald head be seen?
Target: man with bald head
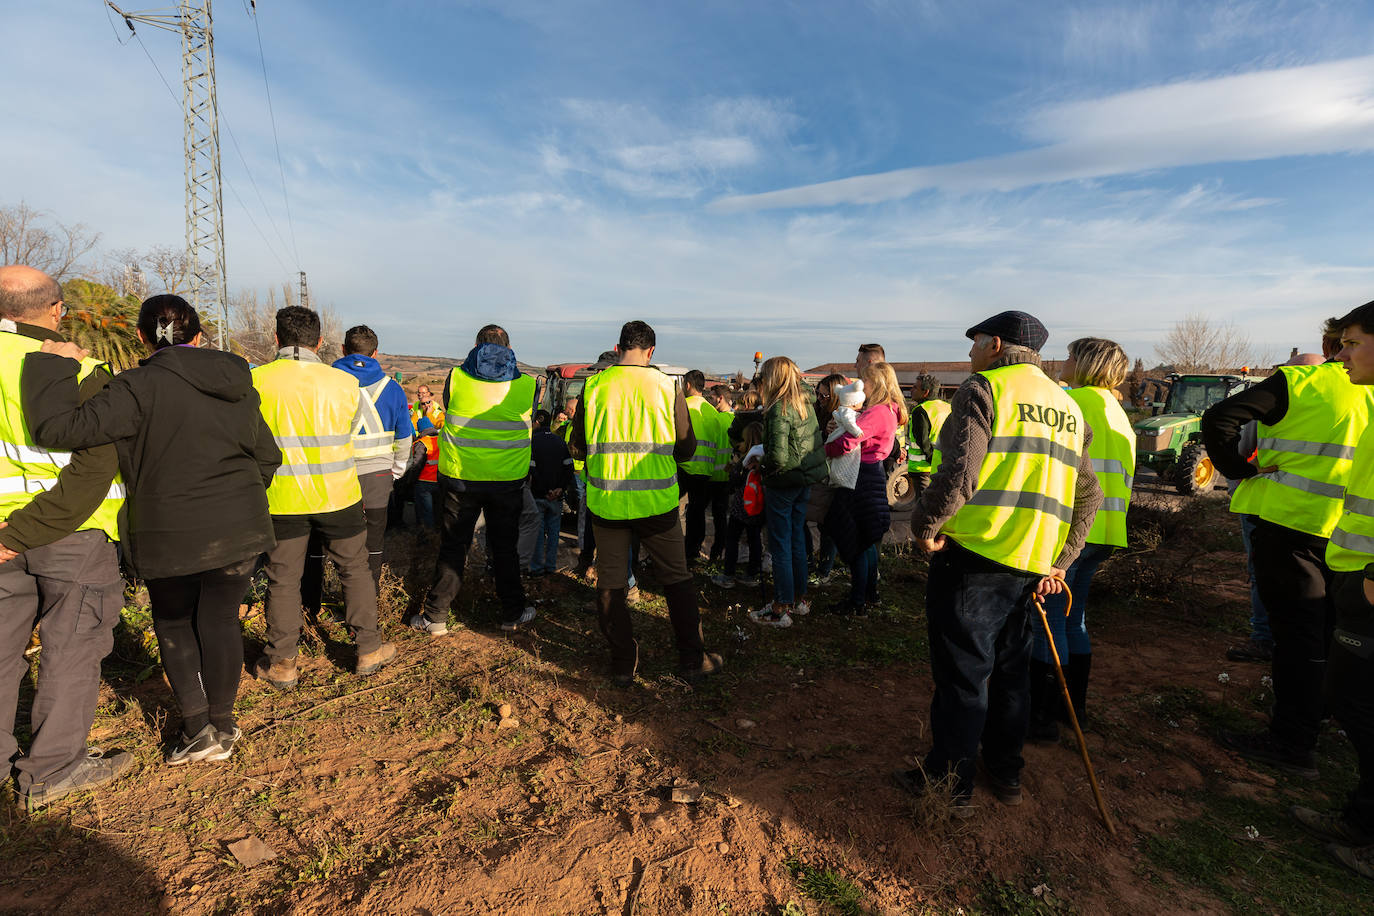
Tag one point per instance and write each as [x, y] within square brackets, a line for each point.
[58, 564]
[1310, 418]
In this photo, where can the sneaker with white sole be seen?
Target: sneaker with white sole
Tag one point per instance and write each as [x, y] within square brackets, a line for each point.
[225, 745]
[720, 580]
[91, 772]
[770, 616]
[747, 580]
[425, 625]
[194, 748]
[526, 616]
[801, 608]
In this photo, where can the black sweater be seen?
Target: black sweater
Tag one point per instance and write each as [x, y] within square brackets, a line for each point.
[1266, 402]
[194, 450]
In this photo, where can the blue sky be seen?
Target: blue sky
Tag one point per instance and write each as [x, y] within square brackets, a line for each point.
[789, 177]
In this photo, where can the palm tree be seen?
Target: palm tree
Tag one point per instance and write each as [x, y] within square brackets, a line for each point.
[103, 322]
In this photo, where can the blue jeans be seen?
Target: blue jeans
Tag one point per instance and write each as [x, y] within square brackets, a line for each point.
[785, 512]
[424, 503]
[863, 585]
[546, 536]
[1071, 633]
[978, 617]
[1259, 614]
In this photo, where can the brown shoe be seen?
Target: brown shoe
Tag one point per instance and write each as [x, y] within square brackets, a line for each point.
[376, 660]
[281, 674]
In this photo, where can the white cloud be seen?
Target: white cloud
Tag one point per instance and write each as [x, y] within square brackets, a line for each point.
[1321, 108]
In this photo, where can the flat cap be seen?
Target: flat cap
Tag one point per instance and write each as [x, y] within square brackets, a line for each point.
[1019, 328]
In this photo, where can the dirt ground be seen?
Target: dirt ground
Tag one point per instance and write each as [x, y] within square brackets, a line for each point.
[411, 793]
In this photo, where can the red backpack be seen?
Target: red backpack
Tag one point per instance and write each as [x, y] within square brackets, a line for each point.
[753, 493]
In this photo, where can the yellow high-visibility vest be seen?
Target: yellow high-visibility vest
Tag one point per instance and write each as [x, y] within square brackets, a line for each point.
[720, 471]
[1019, 514]
[487, 428]
[937, 411]
[371, 438]
[27, 469]
[311, 409]
[1113, 456]
[1351, 547]
[631, 472]
[1312, 447]
[705, 427]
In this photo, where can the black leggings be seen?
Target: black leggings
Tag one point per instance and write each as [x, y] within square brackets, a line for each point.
[196, 618]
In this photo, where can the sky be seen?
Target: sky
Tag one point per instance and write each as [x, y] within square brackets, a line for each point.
[794, 178]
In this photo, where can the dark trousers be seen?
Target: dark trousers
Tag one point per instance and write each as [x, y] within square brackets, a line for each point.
[733, 529]
[979, 619]
[461, 505]
[1293, 581]
[73, 591]
[1350, 687]
[376, 489]
[196, 618]
[345, 544]
[696, 488]
[661, 536]
[720, 516]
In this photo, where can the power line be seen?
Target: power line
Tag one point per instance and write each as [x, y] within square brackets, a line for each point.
[281, 169]
[232, 190]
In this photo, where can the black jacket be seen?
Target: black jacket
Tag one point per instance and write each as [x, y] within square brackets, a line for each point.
[551, 467]
[194, 450]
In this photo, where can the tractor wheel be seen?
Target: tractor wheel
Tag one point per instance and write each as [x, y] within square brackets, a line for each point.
[901, 490]
[1194, 472]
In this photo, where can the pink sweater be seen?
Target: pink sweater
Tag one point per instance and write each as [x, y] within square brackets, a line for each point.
[879, 424]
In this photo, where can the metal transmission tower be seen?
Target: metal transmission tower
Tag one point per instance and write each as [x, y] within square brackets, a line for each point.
[204, 203]
[305, 292]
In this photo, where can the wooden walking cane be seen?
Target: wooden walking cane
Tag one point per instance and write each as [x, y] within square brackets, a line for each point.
[1073, 716]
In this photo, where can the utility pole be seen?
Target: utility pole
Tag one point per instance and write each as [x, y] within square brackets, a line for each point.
[305, 293]
[204, 203]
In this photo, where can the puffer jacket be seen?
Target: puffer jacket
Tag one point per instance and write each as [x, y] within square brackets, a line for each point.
[793, 450]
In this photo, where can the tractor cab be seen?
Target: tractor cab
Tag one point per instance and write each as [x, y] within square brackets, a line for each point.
[1170, 443]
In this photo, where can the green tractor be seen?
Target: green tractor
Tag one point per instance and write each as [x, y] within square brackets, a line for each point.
[1170, 442]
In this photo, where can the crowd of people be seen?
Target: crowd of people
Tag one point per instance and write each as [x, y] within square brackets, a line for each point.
[199, 470]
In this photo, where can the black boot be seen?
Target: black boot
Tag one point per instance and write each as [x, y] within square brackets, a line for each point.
[614, 618]
[1077, 676]
[1044, 703]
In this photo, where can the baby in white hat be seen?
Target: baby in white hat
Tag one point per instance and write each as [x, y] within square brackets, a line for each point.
[844, 470]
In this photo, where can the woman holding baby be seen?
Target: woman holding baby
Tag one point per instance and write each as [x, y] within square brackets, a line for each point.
[859, 515]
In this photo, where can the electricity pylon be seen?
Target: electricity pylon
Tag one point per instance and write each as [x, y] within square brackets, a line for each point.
[305, 292]
[204, 203]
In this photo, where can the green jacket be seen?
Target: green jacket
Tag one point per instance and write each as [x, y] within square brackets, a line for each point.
[792, 448]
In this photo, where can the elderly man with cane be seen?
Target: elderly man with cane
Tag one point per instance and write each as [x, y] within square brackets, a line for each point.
[1004, 517]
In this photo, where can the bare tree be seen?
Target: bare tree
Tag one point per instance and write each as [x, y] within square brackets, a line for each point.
[35, 238]
[1197, 344]
[253, 325]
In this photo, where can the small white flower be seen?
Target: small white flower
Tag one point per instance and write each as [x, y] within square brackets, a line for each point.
[1171, 723]
[1040, 890]
[1223, 678]
[1251, 833]
[1266, 681]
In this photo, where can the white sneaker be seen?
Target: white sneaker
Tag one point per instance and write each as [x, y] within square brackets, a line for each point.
[510, 626]
[425, 625]
[770, 618]
[801, 608]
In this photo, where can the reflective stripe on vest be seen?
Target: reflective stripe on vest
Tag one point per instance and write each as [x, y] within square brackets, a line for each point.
[630, 469]
[312, 410]
[937, 412]
[1113, 456]
[26, 468]
[1313, 447]
[1020, 512]
[486, 428]
[371, 438]
[704, 428]
[1351, 547]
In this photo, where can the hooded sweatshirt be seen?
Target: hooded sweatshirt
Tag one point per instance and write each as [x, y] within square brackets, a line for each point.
[193, 447]
[392, 406]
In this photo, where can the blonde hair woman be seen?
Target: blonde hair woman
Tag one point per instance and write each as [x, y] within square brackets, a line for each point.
[792, 462]
[1094, 369]
[859, 518]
